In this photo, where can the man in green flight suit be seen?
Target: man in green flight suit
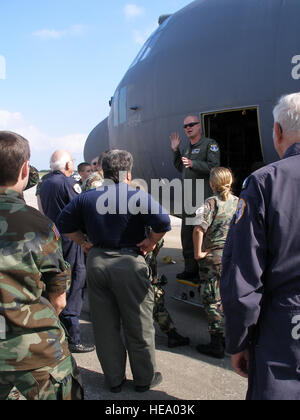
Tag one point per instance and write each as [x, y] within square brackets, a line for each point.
[195, 162]
[34, 354]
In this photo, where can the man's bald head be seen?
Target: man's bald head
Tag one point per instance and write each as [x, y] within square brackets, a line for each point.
[193, 118]
[192, 126]
[61, 160]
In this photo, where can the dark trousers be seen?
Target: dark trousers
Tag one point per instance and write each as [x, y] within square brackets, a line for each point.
[190, 264]
[74, 255]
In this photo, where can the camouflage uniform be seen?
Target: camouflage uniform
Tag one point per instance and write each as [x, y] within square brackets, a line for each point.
[210, 273]
[33, 179]
[59, 383]
[95, 180]
[34, 353]
[214, 218]
[160, 313]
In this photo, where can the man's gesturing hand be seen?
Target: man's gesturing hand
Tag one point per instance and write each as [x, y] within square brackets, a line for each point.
[175, 141]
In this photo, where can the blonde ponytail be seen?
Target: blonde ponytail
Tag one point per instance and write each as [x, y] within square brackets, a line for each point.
[222, 180]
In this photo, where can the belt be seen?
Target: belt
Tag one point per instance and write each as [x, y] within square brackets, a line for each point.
[134, 249]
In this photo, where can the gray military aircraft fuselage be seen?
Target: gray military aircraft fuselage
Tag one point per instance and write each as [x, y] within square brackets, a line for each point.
[227, 61]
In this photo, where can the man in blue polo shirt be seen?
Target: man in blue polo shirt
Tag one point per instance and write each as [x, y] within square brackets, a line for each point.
[115, 217]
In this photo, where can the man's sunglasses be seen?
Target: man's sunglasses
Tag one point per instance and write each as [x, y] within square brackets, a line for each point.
[190, 125]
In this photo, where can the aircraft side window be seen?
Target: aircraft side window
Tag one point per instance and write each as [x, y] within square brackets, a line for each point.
[150, 43]
[147, 52]
[142, 52]
[154, 39]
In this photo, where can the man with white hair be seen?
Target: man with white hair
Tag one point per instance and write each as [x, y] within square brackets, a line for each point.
[260, 285]
[56, 192]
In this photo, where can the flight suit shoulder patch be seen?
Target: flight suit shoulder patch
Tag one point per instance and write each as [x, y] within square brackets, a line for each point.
[214, 148]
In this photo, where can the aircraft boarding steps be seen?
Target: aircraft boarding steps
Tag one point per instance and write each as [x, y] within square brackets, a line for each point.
[188, 292]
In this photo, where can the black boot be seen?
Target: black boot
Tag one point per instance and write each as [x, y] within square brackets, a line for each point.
[176, 340]
[187, 275]
[215, 348]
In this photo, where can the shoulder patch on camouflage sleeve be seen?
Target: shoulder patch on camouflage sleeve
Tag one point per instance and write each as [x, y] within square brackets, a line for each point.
[56, 232]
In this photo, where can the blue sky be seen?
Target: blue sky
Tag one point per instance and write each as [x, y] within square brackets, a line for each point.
[61, 61]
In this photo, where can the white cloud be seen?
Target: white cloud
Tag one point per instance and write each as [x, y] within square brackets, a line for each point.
[41, 143]
[74, 30]
[14, 121]
[48, 34]
[132, 11]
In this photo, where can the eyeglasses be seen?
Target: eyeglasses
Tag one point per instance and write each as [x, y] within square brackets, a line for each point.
[190, 125]
[94, 163]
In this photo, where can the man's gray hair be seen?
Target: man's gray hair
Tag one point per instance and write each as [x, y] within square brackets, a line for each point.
[116, 164]
[58, 165]
[287, 113]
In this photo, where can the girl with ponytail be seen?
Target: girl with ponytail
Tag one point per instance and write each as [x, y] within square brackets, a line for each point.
[211, 228]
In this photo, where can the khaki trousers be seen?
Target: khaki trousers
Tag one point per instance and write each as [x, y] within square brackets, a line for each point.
[121, 295]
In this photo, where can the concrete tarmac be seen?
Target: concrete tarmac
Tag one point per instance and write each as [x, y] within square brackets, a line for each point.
[187, 375]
